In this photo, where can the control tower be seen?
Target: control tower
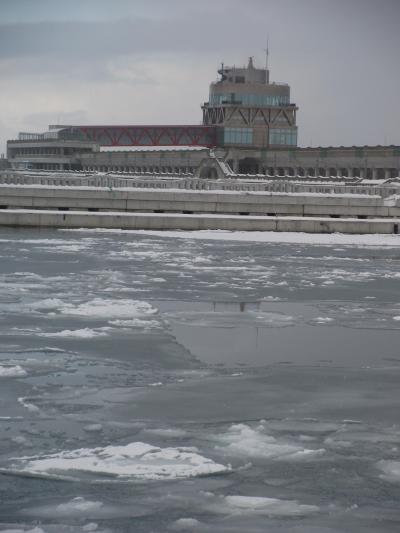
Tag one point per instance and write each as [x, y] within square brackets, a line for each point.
[251, 112]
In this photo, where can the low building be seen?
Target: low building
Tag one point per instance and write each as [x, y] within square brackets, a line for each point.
[249, 125]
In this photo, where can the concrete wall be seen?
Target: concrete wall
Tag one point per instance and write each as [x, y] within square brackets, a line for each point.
[181, 201]
[55, 219]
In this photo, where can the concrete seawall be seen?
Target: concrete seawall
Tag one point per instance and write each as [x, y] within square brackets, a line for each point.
[153, 221]
[197, 202]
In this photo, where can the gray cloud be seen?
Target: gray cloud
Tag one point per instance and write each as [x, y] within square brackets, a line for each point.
[137, 61]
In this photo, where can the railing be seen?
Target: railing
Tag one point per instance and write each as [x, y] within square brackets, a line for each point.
[188, 183]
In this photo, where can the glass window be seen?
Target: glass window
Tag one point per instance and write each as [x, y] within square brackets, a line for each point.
[238, 135]
[285, 136]
[250, 99]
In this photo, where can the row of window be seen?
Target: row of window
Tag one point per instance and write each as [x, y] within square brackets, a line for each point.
[238, 136]
[249, 99]
[283, 136]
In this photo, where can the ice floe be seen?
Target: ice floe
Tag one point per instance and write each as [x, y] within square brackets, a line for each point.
[185, 524]
[12, 371]
[242, 440]
[330, 239]
[237, 505]
[78, 506]
[108, 308]
[85, 333]
[390, 469]
[136, 460]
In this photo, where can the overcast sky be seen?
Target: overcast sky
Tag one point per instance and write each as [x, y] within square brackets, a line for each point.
[151, 62]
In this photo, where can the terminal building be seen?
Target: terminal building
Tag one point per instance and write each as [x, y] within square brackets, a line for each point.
[249, 127]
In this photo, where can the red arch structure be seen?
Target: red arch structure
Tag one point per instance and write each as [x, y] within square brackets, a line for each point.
[147, 135]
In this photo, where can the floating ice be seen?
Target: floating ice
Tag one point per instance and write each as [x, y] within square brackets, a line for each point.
[85, 333]
[136, 323]
[185, 524]
[12, 371]
[256, 505]
[28, 405]
[242, 440]
[136, 460]
[103, 308]
[34, 530]
[391, 470]
[78, 505]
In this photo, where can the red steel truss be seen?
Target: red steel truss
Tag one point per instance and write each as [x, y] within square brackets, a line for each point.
[149, 135]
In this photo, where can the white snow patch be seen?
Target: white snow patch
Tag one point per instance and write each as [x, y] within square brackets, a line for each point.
[242, 440]
[12, 371]
[136, 460]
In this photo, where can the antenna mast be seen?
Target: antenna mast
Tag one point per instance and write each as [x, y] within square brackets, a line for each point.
[267, 61]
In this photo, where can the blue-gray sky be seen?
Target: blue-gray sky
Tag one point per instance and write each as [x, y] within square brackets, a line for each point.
[151, 61]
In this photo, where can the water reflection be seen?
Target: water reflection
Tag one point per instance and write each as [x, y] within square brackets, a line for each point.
[263, 333]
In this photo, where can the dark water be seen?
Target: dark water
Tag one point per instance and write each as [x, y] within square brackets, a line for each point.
[152, 384]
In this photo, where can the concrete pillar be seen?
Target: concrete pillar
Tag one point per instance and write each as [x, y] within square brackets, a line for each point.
[339, 172]
[350, 172]
[374, 173]
[387, 174]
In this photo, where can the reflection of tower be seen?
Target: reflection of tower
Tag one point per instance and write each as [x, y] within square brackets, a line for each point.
[251, 111]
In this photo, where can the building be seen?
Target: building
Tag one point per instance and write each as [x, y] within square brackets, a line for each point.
[249, 124]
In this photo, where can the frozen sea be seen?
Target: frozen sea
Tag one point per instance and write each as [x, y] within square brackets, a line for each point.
[206, 382]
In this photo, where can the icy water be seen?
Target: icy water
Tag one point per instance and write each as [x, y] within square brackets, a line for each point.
[152, 384]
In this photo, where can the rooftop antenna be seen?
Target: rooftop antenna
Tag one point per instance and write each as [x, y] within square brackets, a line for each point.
[266, 50]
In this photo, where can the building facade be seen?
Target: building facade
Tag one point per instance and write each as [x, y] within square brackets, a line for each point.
[249, 123]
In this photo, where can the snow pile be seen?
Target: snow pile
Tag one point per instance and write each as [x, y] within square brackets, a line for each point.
[12, 371]
[242, 440]
[136, 460]
[102, 308]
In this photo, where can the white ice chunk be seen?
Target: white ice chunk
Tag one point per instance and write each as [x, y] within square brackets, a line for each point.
[12, 371]
[85, 333]
[135, 460]
[185, 524]
[265, 506]
[103, 308]
[391, 470]
[78, 505]
[242, 440]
